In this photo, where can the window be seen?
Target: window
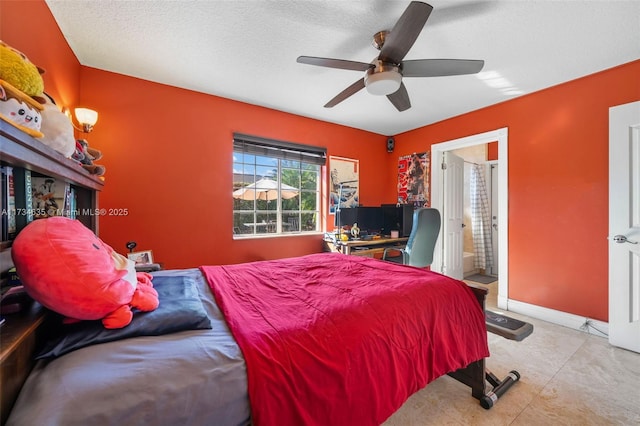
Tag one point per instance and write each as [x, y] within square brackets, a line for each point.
[276, 186]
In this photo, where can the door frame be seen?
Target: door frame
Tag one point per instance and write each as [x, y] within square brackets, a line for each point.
[437, 180]
[490, 171]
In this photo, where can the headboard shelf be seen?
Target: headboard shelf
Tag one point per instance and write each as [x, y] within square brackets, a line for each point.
[20, 334]
[30, 160]
[28, 157]
[21, 150]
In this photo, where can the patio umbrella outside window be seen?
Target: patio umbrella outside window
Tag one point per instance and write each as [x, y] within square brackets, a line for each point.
[265, 189]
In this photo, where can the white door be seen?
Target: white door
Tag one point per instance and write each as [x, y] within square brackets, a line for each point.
[453, 193]
[624, 226]
[494, 218]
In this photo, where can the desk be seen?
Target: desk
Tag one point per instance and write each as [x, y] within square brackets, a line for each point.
[366, 247]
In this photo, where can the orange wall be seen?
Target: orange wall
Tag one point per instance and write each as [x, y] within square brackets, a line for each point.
[168, 155]
[492, 151]
[29, 27]
[558, 185]
[168, 152]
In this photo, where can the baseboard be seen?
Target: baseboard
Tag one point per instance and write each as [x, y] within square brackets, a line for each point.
[565, 319]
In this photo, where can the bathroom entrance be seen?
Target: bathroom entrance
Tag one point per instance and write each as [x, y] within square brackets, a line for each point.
[448, 256]
[480, 220]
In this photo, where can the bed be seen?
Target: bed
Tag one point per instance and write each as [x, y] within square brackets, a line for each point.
[318, 339]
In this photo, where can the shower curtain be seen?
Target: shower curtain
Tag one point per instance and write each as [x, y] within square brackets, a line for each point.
[480, 219]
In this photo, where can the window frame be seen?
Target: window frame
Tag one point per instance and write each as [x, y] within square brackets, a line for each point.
[256, 158]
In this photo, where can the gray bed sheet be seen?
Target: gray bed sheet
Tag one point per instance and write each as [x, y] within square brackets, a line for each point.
[188, 378]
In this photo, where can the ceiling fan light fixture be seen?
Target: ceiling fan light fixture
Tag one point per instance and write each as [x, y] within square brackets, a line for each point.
[383, 80]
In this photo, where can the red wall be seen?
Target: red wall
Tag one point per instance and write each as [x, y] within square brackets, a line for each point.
[558, 185]
[168, 154]
[29, 27]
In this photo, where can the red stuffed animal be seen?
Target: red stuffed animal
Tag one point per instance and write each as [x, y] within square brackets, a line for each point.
[68, 269]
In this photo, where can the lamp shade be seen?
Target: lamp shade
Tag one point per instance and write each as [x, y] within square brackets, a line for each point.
[384, 79]
[86, 116]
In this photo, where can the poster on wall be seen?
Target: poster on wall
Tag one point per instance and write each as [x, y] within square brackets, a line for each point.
[344, 174]
[413, 179]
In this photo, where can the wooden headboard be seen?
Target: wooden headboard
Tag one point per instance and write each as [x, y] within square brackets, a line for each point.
[21, 335]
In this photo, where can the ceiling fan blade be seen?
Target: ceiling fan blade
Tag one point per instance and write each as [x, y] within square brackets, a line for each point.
[440, 67]
[400, 98]
[405, 32]
[334, 63]
[351, 90]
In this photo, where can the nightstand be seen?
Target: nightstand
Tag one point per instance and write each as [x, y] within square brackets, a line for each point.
[17, 346]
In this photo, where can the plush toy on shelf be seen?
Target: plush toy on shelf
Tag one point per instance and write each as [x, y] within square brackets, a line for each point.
[25, 105]
[21, 91]
[20, 110]
[86, 155]
[57, 129]
[17, 70]
[67, 268]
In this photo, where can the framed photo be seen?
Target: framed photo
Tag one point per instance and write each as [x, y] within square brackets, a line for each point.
[344, 174]
[48, 196]
[141, 257]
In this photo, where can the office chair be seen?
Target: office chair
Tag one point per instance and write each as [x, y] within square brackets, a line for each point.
[422, 240]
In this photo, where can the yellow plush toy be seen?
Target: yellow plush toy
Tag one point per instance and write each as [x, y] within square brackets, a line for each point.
[21, 86]
[17, 70]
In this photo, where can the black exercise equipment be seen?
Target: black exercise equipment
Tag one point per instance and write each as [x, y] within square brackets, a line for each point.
[512, 329]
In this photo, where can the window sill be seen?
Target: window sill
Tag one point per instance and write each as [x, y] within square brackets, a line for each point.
[263, 236]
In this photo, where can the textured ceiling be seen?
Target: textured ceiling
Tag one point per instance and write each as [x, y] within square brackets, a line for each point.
[246, 50]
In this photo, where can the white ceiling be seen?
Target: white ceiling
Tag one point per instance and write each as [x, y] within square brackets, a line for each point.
[246, 49]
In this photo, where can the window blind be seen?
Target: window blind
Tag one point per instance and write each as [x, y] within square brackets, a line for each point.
[256, 145]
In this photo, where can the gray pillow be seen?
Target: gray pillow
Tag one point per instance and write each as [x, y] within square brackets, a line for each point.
[180, 309]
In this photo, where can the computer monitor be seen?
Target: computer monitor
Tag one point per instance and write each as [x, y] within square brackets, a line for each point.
[345, 217]
[397, 218]
[369, 219]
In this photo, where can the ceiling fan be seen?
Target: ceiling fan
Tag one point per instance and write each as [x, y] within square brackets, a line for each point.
[383, 76]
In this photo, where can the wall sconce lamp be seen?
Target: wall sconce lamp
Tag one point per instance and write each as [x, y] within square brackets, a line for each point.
[87, 118]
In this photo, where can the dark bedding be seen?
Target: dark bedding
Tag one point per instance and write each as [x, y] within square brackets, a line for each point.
[194, 377]
[180, 309]
[344, 340]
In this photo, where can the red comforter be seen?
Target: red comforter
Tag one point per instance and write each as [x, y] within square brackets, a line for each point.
[339, 340]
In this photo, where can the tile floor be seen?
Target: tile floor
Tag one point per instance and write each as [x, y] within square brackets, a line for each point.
[568, 377]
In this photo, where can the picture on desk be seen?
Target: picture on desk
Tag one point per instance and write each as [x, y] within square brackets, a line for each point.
[141, 257]
[344, 173]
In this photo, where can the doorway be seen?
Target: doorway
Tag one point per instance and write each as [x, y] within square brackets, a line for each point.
[480, 212]
[444, 251]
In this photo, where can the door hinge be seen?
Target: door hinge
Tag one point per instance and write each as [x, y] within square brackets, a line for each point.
[444, 166]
